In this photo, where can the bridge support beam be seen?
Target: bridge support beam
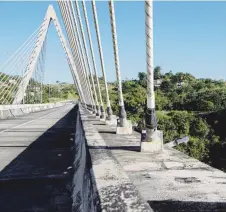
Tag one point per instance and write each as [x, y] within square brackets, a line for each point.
[154, 140]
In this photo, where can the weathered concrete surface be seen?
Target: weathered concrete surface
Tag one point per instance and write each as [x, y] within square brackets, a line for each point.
[36, 157]
[112, 186]
[169, 181]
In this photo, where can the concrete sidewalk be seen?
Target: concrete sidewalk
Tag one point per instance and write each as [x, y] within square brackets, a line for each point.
[170, 181]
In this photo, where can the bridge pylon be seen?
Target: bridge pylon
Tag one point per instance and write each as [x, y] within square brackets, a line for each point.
[50, 16]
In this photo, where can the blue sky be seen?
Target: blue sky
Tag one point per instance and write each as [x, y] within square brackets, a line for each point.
[188, 37]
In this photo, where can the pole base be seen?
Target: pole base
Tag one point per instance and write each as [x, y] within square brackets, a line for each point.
[126, 129]
[98, 113]
[102, 116]
[109, 113]
[102, 113]
[153, 142]
[112, 121]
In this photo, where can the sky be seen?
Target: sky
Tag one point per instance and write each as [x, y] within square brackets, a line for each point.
[188, 37]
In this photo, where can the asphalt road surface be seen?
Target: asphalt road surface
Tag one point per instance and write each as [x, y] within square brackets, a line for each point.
[36, 156]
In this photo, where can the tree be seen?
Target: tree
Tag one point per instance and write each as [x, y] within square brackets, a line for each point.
[161, 100]
[204, 105]
[199, 128]
[168, 75]
[157, 73]
[134, 99]
[167, 126]
[142, 79]
[196, 148]
[181, 120]
[178, 77]
[167, 86]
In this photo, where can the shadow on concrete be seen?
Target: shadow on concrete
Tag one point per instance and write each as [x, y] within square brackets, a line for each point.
[107, 131]
[128, 148]
[85, 193]
[187, 206]
[40, 178]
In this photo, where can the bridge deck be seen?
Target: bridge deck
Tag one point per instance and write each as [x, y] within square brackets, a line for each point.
[36, 168]
[36, 161]
[170, 181]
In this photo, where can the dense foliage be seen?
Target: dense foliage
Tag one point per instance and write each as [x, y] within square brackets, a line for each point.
[184, 106]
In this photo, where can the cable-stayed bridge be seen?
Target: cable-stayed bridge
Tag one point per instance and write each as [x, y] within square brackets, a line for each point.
[77, 155]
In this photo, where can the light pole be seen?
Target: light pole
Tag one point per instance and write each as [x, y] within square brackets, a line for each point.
[23, 85]
[41, 87]
[49, 90]
[59, 94]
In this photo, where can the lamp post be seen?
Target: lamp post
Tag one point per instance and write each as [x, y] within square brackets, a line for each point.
[59, 89]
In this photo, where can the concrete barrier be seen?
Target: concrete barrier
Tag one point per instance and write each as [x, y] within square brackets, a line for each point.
[6, 114]
[37, 109]
[26, 110]
[16, 112]
[83, 194]
[11, 111]
[99, 182]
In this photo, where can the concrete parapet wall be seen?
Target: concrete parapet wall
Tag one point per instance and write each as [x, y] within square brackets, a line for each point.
[26, 110]
[83, 192]
[5, 114]
[100, 183]
[16, 112]
[11, 111]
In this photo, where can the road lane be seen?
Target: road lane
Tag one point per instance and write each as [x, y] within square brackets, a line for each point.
[17, 134]
[36, 154]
